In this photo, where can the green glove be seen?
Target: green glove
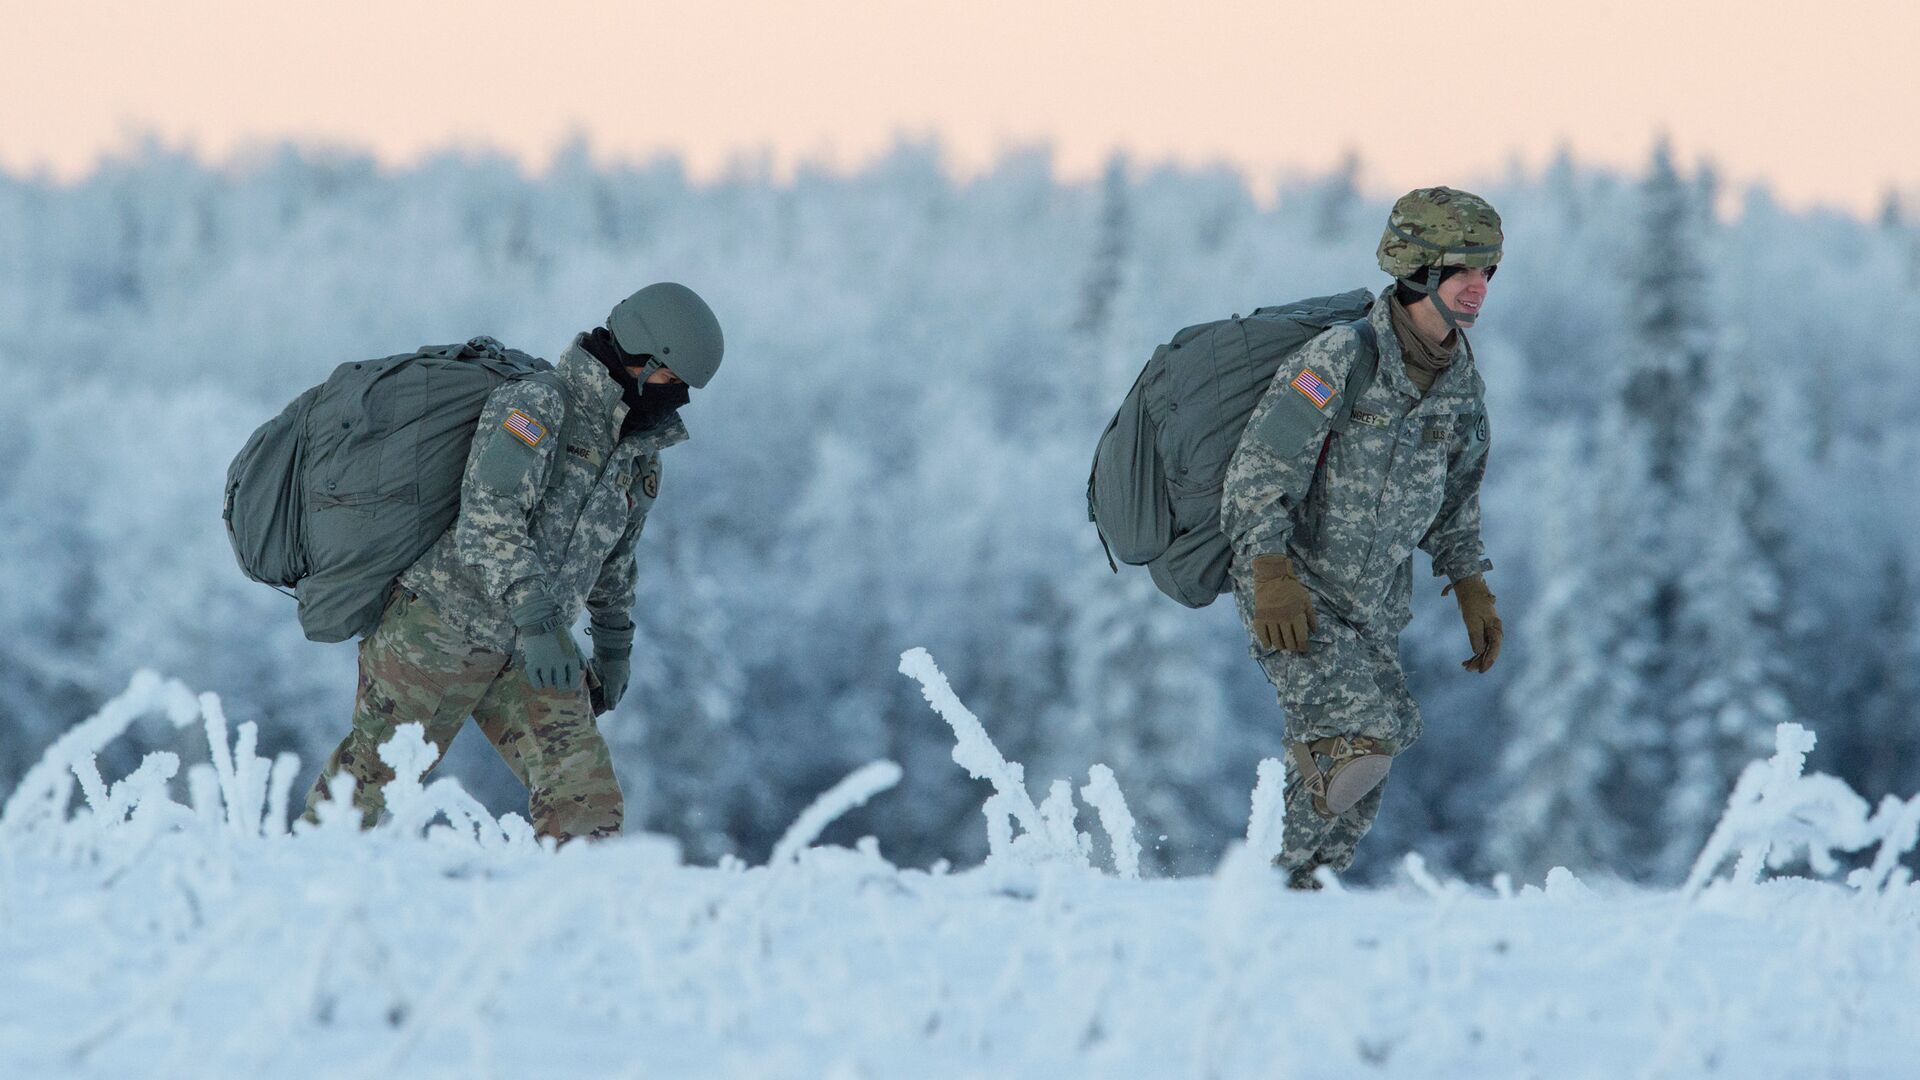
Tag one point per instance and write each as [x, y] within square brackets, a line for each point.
[612, 662]
[547, 649]
[1483, 622]
[1282, 607]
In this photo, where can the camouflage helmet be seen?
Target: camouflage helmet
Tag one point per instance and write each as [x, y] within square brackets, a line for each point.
[670, 323]
[1439, 226]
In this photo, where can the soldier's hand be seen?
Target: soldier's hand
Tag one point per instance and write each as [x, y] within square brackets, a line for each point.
[547, 649]
[613, 675]
[1483, 622]
[612, 660]
[1283, 613]
[552, 660]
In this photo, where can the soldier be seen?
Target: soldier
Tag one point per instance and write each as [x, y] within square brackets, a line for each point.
[557, 486]
[1324, 525]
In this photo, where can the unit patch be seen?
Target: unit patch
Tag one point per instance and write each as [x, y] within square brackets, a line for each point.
[525, 428]
[1313, 387]
[650, 484]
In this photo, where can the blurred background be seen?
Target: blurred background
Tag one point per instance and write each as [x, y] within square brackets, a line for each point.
[942, 239]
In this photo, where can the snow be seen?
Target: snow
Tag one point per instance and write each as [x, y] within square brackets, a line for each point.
[139, 936]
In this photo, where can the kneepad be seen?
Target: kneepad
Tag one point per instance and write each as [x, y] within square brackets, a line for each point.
[1355, 765]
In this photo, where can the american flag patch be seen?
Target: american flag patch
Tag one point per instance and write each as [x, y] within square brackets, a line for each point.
[525, 428]
[1315, 389]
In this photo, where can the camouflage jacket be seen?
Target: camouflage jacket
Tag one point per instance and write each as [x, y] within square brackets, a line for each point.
[1406, 472]
[552, 503]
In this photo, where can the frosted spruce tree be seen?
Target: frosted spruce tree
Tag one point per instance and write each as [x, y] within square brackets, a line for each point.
[1873, 736]
[1605, 669]
[1554, 774]
[1730, 677]
[1137, 684]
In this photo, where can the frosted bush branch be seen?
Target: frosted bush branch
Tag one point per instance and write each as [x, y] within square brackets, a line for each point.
[336, 813]
[1415, 866]
[848, 795]
[92, 787]
[1776, 814]
[972, 749]
[1897, 824]
[1267, 824]
[408, 753]
[44, 793]
[413, 806]
[999, 824]
[1057, 817]
[243, 775]
[237, 794]
[280, 792]
[1102, 792]
[1048, 830]
[144, 788]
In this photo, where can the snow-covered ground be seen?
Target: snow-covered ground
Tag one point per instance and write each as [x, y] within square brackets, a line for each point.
[144, 937]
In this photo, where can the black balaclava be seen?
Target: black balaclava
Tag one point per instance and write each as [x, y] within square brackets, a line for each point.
[648, 405]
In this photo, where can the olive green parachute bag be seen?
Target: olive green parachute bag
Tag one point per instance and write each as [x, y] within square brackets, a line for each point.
[1161, 465]
[358, 476]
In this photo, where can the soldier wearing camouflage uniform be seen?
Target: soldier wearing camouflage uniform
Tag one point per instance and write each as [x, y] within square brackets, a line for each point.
[558, 484]
[1324, 525]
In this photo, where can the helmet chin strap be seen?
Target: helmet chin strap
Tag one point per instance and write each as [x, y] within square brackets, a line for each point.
[1431, 290]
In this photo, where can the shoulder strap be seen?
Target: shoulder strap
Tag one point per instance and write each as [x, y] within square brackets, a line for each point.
[1361, 375]
[544, 376]
[1359, 380]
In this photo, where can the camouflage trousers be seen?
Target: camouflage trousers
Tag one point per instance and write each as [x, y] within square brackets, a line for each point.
[414, 668]
[1346, 683]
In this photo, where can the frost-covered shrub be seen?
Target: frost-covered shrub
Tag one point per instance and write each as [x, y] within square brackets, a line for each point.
[1046, 833]
[1778, 815]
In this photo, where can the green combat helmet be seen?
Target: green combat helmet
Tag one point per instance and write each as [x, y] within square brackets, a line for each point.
[1438, 227]
[670, 323]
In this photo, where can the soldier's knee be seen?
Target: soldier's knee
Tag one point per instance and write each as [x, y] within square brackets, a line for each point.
[1339, 772]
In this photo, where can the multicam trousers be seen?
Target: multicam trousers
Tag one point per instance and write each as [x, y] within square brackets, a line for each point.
[1346, 683]
[414, 668]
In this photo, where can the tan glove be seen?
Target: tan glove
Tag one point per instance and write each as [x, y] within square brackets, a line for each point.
[1483, 623]
[1282, 607]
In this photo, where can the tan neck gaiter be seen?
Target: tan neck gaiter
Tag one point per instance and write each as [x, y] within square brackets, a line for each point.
[1425, 359]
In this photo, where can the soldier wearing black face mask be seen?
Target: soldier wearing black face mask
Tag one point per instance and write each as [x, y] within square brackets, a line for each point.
[559, 480]
[652, 392]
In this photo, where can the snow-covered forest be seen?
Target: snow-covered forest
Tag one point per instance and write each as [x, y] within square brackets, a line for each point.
[1700, 499]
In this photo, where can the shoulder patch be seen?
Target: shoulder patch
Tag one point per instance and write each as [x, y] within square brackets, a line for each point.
[650, 484]
[525, 428]
[1313, 388]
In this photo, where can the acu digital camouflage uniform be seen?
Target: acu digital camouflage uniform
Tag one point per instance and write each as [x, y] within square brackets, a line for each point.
[1405, 473]
[552, 503]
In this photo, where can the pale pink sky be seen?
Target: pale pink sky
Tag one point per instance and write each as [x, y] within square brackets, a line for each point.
[1818, 98]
